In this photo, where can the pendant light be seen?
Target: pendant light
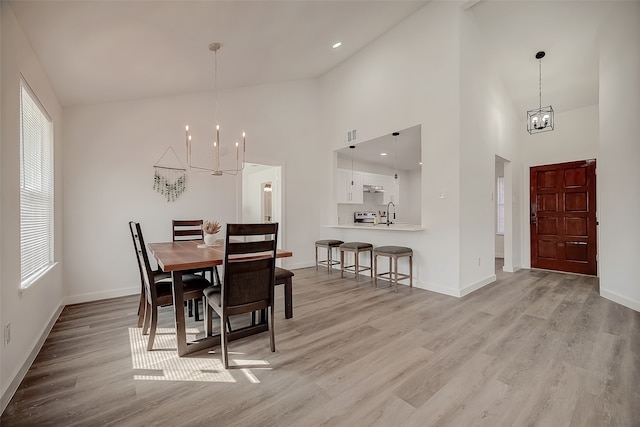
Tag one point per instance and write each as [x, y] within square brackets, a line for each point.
[540, 119]
[395, 150]
[240, 149]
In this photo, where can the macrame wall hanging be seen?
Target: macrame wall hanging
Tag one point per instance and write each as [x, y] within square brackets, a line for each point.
[168, 180]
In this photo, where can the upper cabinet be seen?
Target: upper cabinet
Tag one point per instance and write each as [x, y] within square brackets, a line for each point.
[349, 186]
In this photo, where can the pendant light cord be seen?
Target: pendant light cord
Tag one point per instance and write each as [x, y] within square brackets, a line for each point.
[540, 82]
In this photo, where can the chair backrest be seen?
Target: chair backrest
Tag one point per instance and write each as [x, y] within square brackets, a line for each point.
[187, 229]
[249, 267]
[146, 272]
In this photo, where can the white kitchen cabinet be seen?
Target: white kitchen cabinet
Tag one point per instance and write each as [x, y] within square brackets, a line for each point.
[373, 179]
[346, 192]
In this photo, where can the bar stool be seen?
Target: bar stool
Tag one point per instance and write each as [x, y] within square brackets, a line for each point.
[393, 252]
[329, 245]
[356, 248]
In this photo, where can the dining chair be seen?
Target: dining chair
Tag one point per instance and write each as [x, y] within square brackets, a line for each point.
[157, 273]
[189, 230]
[159, 293]
[248, 282]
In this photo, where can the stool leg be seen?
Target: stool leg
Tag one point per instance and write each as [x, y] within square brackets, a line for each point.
[341, 263]
[316, 257]
[374, 260]
[329, 258]
[371, 264]
[357, 256]
[396, 273]
[411, 271]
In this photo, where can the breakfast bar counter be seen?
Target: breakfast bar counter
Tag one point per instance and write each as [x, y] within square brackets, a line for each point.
[379, 227]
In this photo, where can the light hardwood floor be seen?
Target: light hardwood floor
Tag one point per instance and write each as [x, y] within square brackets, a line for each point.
[534, 348]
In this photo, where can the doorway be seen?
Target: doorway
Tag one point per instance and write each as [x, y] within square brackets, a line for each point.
[262, 195]
[563, 217]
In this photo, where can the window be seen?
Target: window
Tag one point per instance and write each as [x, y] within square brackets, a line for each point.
[36, 188]
[500, 205]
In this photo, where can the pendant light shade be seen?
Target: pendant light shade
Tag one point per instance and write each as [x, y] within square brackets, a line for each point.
[540, 119]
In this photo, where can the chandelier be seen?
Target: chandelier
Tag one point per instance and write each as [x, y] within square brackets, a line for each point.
[214, 47]
[540, 119]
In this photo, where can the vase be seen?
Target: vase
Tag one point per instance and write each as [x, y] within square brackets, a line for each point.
[210, 239]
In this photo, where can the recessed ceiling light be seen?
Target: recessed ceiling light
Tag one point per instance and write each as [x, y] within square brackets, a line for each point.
[383, 154]
[337, 44]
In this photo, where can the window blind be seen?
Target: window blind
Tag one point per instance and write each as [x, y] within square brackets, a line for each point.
[36, 187]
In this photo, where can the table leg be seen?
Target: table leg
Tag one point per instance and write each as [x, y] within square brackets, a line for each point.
[178, 308]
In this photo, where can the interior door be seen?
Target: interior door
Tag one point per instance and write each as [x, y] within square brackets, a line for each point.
[563, 217]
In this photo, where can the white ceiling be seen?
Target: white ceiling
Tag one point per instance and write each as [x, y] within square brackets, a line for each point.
[102, 51]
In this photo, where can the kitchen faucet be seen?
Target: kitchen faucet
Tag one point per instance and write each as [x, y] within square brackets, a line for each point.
[389, 213]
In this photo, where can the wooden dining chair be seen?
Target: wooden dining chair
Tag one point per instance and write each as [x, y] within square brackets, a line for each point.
[157, 273]
[249, 273]
[189, 230]
[159, 293]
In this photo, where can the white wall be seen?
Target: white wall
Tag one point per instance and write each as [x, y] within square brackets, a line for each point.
[619, 153]
[487, 129]
[29, 312]
[109, 153]
[409, 76]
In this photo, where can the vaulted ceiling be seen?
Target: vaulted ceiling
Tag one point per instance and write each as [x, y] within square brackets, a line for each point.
[102, 51]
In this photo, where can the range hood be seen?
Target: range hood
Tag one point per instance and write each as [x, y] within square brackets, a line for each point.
[373, 188]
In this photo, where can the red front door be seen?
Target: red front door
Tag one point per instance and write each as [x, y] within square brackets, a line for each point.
[563, 217]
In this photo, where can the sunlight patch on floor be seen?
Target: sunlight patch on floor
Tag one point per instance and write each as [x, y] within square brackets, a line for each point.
[164, 364]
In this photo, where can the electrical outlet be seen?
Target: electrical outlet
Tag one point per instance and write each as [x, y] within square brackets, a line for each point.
[7, 334]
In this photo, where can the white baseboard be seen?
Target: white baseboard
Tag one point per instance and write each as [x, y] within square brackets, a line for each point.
[436, 287]
[22, 372]
[617, 298]
[96, 296]
[511, 268]
[477, 285]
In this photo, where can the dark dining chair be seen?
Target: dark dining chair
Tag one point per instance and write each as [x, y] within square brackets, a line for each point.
[159, 293]
[157, 273]
[189, 230]
[249, 273]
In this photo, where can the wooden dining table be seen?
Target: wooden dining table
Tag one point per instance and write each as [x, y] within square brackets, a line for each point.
[178, 257]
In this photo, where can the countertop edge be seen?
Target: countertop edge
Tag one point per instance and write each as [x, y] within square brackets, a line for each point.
[379, 227]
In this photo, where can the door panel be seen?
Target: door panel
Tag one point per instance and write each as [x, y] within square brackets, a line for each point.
[563, 217]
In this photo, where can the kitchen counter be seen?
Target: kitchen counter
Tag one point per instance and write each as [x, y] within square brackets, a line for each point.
[379, 227]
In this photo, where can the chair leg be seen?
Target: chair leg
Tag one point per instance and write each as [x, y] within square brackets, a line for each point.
[288, 299]
[141, 306]
[196, 309]
[147, 315]
[272, 335]
[208, 321]
[223, 341]
[154, 324]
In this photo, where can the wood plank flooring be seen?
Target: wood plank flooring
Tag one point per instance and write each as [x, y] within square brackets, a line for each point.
[534, 348]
